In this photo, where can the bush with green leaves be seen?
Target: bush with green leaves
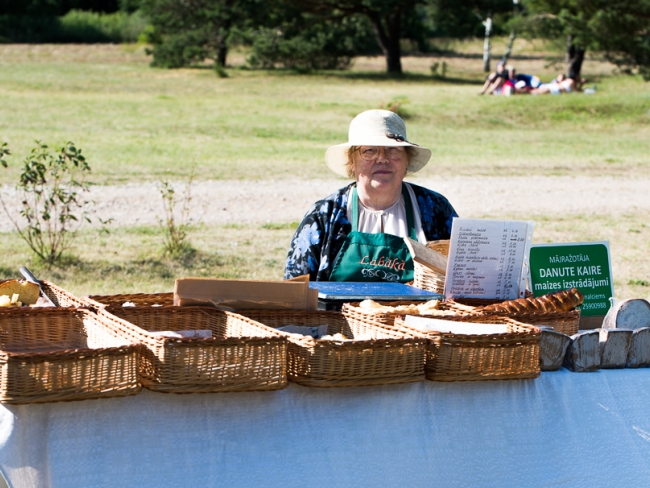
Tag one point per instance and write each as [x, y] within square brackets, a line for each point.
[176, 224]
[51, 191]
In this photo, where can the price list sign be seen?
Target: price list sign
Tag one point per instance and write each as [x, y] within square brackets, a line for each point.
[488, 259]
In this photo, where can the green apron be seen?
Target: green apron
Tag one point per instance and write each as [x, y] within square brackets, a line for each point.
[375, 257]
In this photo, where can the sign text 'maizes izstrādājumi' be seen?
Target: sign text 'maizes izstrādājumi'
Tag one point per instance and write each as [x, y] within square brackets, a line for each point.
[585, 266]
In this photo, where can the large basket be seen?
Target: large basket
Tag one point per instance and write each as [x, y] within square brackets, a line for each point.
[241, 355]
[378, 356]
[469, 357]
[51, 355]
[136, 299]
[564, 322]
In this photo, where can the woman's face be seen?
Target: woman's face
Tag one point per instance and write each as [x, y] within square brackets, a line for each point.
[380, 167]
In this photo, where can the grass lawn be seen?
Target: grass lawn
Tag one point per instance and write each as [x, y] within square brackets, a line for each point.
[135, 123]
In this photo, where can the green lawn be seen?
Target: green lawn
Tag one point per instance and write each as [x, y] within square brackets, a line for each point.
[135, 123]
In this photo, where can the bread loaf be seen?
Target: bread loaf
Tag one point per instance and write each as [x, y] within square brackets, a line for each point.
[559, 301]
[27, 291]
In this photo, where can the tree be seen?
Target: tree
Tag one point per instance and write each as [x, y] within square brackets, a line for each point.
[189, 31]
[450, 18]
[385, 16]
[619, 29]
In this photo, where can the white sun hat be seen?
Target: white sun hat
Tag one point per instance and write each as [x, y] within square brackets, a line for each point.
[375, 128]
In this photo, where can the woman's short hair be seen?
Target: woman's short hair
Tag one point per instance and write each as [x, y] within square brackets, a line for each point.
[350, 166]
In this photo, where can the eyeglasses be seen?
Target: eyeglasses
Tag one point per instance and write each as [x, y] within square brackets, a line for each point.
[370, 153]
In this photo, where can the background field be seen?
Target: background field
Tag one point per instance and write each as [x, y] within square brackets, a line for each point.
[137, 124]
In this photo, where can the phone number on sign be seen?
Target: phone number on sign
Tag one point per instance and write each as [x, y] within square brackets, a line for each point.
[592, 306]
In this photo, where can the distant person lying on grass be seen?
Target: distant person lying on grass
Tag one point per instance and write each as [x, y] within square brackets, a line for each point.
[524, 83]
[559, 85]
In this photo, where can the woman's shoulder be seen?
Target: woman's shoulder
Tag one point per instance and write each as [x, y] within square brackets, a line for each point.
[331, 203]
[423, 192]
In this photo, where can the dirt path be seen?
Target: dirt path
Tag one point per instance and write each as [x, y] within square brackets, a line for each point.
[222, 202]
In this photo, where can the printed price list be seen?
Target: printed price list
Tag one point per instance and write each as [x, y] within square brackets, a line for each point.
[488, 259]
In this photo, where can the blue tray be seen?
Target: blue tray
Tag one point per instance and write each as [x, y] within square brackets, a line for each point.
[358, 291]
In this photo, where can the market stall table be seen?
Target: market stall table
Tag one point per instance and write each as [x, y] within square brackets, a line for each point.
[561, 429]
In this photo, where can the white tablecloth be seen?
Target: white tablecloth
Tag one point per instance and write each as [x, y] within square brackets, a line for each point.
[562, 429]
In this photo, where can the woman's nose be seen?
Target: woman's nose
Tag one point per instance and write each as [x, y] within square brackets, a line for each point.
[382, 156]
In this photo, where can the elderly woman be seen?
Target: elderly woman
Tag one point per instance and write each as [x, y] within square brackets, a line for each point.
[357, 233]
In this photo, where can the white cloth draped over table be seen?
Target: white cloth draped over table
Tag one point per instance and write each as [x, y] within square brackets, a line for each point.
[562, 429]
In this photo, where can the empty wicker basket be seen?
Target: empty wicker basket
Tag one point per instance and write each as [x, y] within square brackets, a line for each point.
[240, 355]
[373, 356]
[52, 354]
[454, 357]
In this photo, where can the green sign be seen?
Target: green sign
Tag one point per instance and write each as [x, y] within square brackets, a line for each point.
[585, 266]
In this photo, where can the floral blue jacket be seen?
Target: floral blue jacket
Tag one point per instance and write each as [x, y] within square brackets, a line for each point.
[320, 235]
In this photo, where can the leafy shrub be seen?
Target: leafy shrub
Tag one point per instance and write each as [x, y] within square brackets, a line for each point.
[50, 189]
[76, 26]
[176, 224]
[82, 26]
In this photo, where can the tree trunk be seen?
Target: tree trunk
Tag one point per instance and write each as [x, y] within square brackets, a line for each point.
[574, 57]
[486, 42]
[222, 53]
[389, 39]
[511, 41]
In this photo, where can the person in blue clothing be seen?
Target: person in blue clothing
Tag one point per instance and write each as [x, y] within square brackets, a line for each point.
[357, 233]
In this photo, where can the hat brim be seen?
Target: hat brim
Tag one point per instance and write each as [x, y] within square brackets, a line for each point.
[336, 157]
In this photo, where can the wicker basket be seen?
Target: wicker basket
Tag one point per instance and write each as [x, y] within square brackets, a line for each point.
[441, 247]
[59, 296]
[137, 299]
[354, 311]
[52, 355]
[564, 322]
[388, 357]
[241, 355]
[468, 357]
[427, 279]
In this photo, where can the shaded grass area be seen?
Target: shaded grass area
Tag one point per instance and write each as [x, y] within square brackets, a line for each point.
[131, 260]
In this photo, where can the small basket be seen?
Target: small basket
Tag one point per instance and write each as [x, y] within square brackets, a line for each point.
[137, 299]
[441, 247]
[387, 357]
[354, 311]
[60, 297]
[427, 279]
[564, 322]
[241, 355]
[470, 357]
[52, 355]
